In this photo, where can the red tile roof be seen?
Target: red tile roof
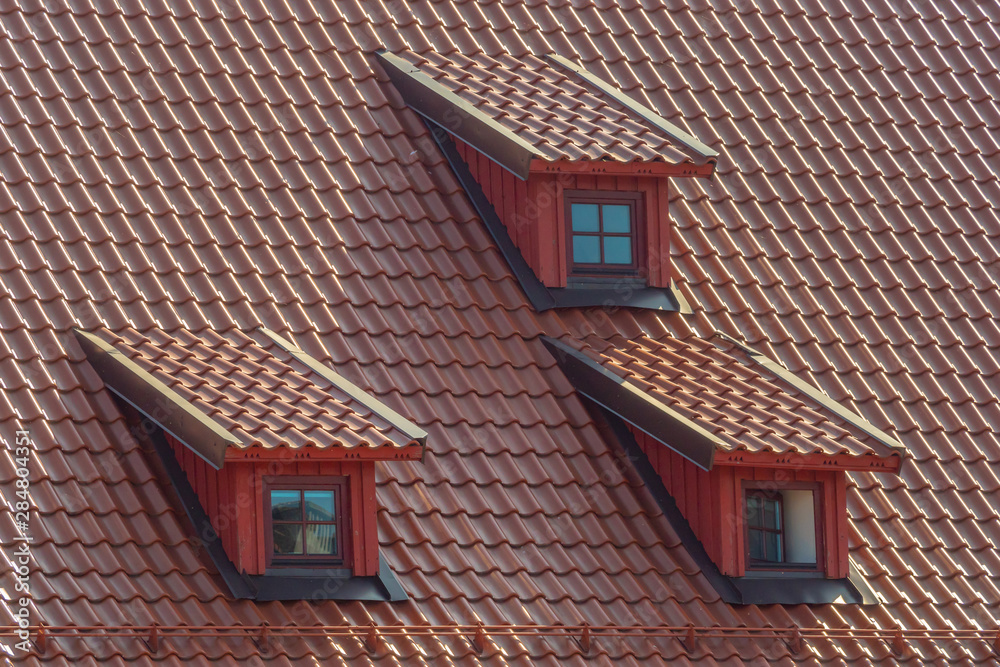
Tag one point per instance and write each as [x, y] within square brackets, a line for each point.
[745, 407]
[254, 390]
[217, 167]
[551, 109]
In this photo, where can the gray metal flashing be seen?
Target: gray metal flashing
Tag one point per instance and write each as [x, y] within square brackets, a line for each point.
[444, 108]
[383, 587]
[676, 134]
[779, 589]
[854, 419]
[629, 402]
[158, 402]
[355, 392]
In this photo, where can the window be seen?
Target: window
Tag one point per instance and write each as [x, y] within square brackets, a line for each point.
[765, 531]
[305, 519]
[782, 528]
[604, 229]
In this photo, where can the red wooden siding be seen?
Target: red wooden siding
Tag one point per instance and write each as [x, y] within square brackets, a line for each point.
[233, 500]
[712, 502]
[533, 214]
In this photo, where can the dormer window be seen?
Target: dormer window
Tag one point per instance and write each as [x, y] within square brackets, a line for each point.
[765, 528]
[573, 187]
[604, 231]
[753, 459]
[306, 517]
[272, 453]
[783, 527]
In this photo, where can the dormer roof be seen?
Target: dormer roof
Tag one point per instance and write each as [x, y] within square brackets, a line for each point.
[226, 393]
[722, 403]
[520, 111]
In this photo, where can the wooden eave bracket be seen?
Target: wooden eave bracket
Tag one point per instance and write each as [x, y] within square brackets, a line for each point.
[156, 401]
[891, 446]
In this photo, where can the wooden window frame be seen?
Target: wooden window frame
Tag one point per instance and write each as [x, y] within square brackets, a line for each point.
[638, 226]
[339, 485]
[765, 487]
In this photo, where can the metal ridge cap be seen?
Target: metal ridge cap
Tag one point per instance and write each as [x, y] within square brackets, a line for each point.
[819, 396]
[424, 94]
[161, 404]
[355, 392]
[682, 137]
[696, 444]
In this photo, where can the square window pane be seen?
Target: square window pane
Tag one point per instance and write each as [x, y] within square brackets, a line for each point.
[587, 249]
[617, 218]
[286, 505]
[584, 218]
[756, 544]
[320, 506]
[617, 250]
[321, 539]
[287, 539]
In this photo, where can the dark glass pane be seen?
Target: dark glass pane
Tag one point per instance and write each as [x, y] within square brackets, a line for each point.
[753, 511]
[286, 505]
[617, 250]
[585, 218]
[587, 249]
[756, 545]
[287, 538]
[617, 218]
[320, 506]
[321, 539]
[770, 513]
[772, 545]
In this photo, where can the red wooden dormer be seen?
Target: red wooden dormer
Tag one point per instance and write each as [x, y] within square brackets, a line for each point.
[275, 451]
[569, 173]
[753, 458]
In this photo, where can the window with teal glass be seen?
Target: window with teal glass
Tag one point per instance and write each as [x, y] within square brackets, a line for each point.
[603, 233]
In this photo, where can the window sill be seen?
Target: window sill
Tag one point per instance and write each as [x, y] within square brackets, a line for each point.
[788, 573]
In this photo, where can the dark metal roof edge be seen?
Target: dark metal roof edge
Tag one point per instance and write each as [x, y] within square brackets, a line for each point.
[796, 590]
[732, 590]
[868, 596]
[682, 137]
[654, 484]
[161, 404]
[239, 587]
[895, 447]
[635, 406]
[442, 106]
[383, 587]
[650, 298]
[344, 385]
[537, 293]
